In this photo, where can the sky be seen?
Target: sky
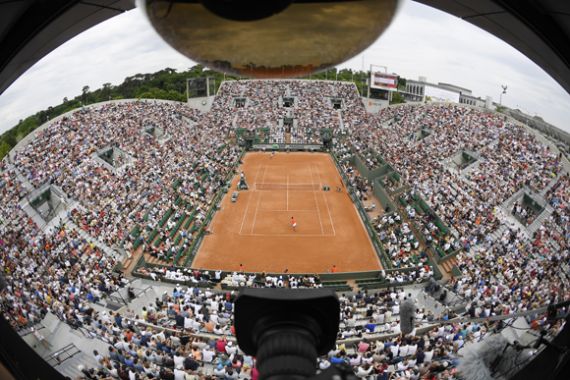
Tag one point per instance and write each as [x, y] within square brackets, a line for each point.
[421, 41]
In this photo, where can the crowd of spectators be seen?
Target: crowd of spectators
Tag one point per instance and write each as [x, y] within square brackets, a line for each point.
[61, 272]
[237, 280]
[157, 186]
[511, 273]
[174, 175]
[524, 213]
[143, 179]
[312, 106]
[356, 182]
[435, 235]
[399, 241]
[414, 274]
[188, 333]
[558, 225]
[510, 158]
[230, 280]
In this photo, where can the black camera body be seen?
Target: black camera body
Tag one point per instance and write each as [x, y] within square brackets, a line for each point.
[286, 329]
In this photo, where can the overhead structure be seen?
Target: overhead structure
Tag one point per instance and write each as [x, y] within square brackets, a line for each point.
[540, 29]
[30, 29]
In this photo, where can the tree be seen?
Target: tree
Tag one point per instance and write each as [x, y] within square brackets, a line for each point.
[106, 92]
[10, 139]
[84, 92]
[345, 75]
[500, 109]
[402, 83]
[397, 98]
[4, 148]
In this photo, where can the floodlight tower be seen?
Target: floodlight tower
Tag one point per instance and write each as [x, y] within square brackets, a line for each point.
[504, 87]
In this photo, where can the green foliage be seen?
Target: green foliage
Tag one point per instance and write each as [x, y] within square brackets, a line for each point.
[402, 83]
[4, 148]
[397, 98]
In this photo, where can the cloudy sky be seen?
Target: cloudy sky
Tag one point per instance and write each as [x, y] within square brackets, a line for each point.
[420, 42]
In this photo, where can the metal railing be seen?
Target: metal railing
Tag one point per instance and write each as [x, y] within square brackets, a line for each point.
[61, 355]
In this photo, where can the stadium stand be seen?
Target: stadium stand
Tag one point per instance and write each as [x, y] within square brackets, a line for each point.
[137, 191]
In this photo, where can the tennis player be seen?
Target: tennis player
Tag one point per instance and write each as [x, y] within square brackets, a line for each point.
[293, 224]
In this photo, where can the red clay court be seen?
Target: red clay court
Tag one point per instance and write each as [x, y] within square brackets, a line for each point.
[256, 230]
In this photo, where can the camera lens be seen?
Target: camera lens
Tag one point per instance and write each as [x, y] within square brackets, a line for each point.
[270, 38]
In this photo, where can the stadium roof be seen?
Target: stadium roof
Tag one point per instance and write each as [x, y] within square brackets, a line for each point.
[540, 29]
[30, 29]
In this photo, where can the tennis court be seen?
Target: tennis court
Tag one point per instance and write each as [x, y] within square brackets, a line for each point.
[256, 231]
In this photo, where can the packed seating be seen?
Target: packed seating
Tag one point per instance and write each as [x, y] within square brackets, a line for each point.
[436, 235]
[61, 272]
[399, 241]
[504, 270]
[152, 194]
[162, 181]
[189, 331]
[153, 178]
[260, 104]
[502, 277]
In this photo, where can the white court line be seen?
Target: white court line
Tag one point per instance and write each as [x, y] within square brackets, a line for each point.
[317, 203]
[291, 185]
[249, 200]
[327, 204]
[290, 235]
[258, 200]
[263, 209]
[287, 205]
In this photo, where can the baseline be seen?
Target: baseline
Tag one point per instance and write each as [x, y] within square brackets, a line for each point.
[290, 235]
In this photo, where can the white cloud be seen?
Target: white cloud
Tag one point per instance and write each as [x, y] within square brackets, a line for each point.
[109, 52]
[420, 41]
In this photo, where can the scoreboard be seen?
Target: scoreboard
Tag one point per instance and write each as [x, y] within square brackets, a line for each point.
[383, 81]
